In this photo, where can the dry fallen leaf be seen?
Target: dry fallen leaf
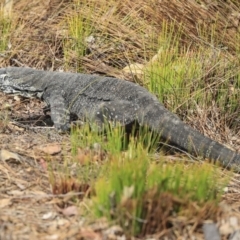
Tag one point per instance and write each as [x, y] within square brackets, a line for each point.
[53, 237]
[5, 202]
[21, 186]
[51, 149]
[15, 193]
[69, 211]
[136, 69]
[6, 155]
[82, 158]
[114, 232]
[90, 234]
[15, 128]
[43, 164]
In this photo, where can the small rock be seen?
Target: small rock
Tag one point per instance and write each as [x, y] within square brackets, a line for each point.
[211, 232]
[49, 215]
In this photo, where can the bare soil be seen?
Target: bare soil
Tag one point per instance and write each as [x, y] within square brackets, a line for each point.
[30, 208]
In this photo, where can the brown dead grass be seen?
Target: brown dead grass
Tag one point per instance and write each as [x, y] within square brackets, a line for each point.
[124, 34]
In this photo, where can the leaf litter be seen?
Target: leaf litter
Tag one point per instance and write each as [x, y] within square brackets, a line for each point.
[30, 206]
[28, 209]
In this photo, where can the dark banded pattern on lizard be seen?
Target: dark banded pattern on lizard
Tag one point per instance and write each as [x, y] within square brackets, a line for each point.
[96, 98]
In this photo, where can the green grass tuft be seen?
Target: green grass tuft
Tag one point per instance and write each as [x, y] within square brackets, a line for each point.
[79, 28]
[191, 79]
[128, 181]
[5, 30]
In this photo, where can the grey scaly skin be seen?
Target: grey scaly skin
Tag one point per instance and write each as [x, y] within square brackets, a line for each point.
[98, 98]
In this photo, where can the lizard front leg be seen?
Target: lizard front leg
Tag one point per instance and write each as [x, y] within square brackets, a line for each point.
[60, 114]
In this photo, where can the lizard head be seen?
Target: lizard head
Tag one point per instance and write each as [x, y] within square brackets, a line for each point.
[13, 83]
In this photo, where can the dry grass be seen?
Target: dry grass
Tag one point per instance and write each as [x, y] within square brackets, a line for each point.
[122, 33]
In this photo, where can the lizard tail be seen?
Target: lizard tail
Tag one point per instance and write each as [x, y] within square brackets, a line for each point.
[177, 133]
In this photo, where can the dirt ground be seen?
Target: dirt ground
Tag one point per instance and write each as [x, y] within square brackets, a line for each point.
[28, 207]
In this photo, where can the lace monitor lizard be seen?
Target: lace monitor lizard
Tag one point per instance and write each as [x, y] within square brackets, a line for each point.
[98, 98]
